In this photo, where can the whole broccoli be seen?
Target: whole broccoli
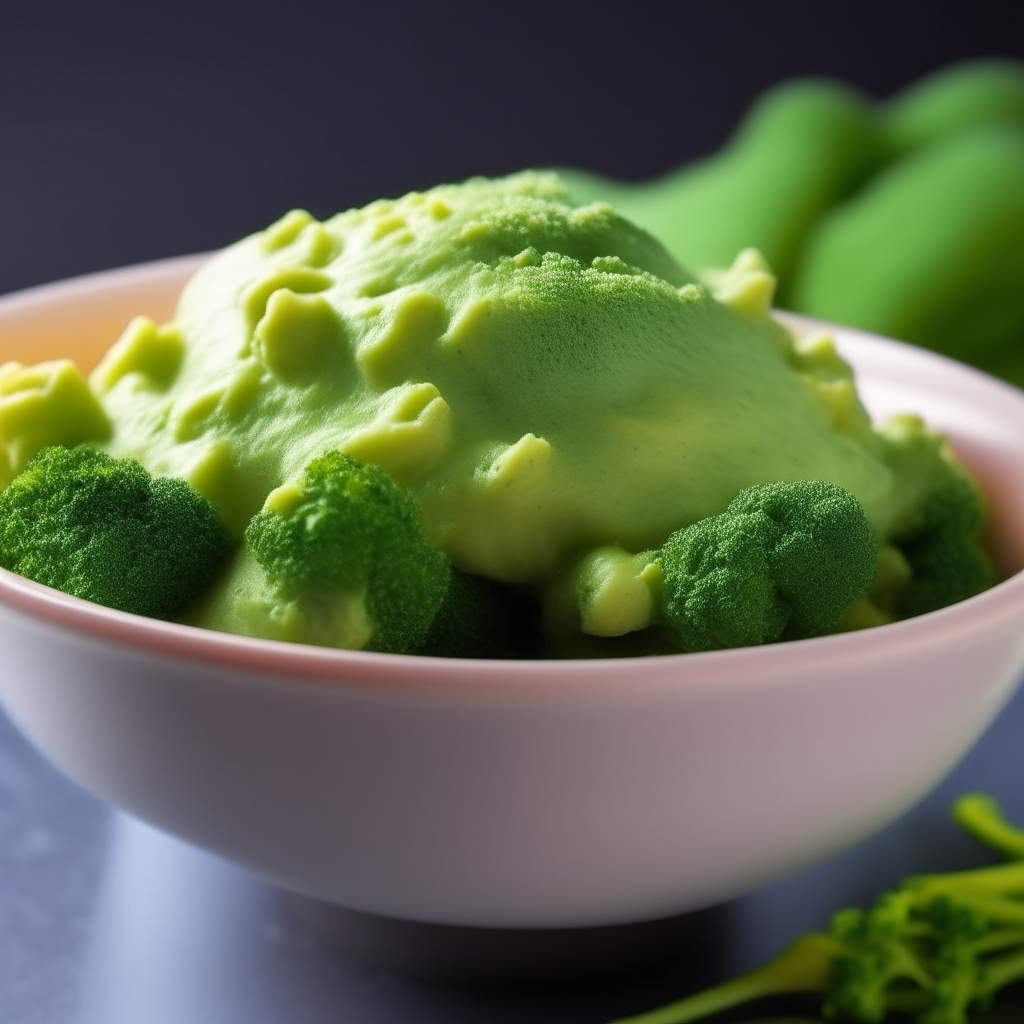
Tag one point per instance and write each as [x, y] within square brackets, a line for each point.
[348, 543]
[782, 562]
[104, 530]
[933, 950]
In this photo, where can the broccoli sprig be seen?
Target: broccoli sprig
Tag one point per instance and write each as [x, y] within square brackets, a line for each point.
[939, 532]
[340, 559]
[349, 540]
[948, 562]
[104, 530]
[936, 948]
[782, 562]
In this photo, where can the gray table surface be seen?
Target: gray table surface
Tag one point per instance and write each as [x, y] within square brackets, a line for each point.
[106, 921]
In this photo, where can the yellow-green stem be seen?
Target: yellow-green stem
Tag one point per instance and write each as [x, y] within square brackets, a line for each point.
[1000, 972]
[804, 967]
[982, 816]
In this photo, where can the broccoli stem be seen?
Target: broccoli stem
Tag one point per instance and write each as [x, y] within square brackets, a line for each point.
[999, 911]
[1002, 879]
[981, 815]
[994, 941]
[934, 949]
[804, 967]
[998, 972]
[910, 1001]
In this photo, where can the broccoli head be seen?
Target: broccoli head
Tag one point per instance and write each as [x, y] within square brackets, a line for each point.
[348, 543]
[104, 530]
[931, 952]
[782, 562]
[939, 530]
[944, 551]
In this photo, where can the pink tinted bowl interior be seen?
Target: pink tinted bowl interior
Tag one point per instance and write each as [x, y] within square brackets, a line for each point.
[517, 794]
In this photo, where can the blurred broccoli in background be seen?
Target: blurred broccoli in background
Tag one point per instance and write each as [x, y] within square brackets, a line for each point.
[963, 96]
[104, 530]
[905, 218]
[802, 147]
[931, 251]
[932, 951]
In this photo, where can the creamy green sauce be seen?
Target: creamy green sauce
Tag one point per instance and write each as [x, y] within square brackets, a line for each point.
[546, 379]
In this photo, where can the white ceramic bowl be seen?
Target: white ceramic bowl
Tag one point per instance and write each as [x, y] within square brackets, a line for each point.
[517, 794]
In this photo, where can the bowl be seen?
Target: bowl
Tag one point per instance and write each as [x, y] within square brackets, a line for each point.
[543, 794]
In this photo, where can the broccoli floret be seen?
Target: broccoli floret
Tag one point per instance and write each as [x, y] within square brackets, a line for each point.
[933, 950]
[943, 550]
[104, 530]
[784, 561]
[348, 533]
[481, 618]
[937, 527]
[340, 559]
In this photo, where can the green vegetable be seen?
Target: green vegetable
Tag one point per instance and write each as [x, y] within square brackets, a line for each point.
[932, 252]
[938, 533]
[948, 563]
[789, 560]
[956, 98]
[907, 220]
[933, 950]
[104, 530]
[339, 559]
[802, 147]
[784, 561]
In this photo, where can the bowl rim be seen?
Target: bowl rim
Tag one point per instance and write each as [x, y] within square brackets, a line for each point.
[268, 659]
[110, 277]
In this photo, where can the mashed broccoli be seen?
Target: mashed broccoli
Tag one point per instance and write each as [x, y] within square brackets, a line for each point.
[538, 382]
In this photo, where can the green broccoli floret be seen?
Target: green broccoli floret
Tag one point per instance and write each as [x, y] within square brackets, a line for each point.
[340, 559]
[943, 550]
[349, 541]
[933, 950]
[938, 527]
[784, 561]
[104, 530]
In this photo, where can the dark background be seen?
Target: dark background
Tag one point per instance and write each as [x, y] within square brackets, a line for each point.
[135, 130]
[132, 131]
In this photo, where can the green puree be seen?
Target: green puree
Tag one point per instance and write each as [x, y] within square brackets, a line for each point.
[545, 379]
